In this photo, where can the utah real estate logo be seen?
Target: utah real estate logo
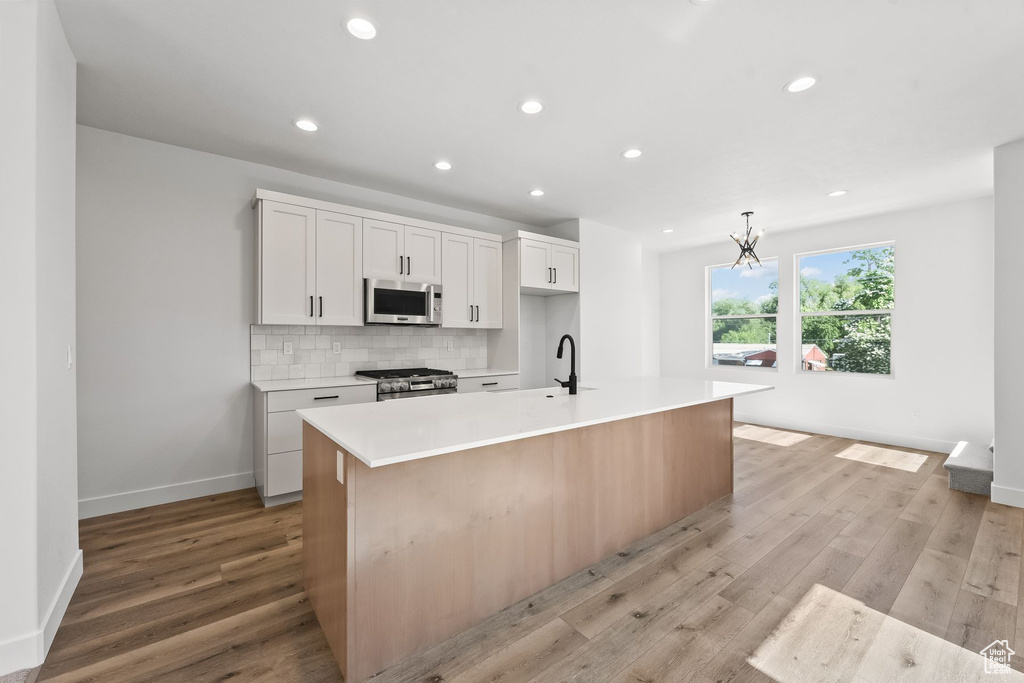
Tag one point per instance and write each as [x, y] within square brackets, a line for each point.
[997, 657]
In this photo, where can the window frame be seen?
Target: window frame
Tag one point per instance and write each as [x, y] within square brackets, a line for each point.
[801, 314]
[710, 318]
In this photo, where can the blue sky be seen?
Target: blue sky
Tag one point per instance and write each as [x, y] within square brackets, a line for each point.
[744, 283]
[752, 285]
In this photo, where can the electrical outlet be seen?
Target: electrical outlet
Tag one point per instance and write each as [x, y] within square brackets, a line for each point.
[336, 347]
[70, 359]
[451, 345]
[526, 345]
[915, 412]
[289, 348]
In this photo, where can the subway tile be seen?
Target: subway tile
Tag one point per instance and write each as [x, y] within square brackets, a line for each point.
[318, 356]
[257, 341]
[327, 370]
[391, 342]
[322, 341]
[342, 369]
[254, 358]
[268, 357]
[378, 342]
[296, 329]
[296, 371]
[261, 329]
[280, 329]
[307, 341]
[274, 341]
[261, 372]
[279, 371]
[350, 355]
[312, 370]
[302, 356]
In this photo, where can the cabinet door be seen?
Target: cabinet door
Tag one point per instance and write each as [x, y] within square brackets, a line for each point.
[287, 264]
[486, 283]
[339, 269]
[457, 281]
[535, 264]
[566, 264]
[422, 255]
[383, 246]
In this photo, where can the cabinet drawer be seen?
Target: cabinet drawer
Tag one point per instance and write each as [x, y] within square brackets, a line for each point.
[298, 399]
[284, 473]
[469, 385]
[284, 432]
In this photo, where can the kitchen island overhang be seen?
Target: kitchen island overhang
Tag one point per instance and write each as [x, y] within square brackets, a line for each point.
[422, 517]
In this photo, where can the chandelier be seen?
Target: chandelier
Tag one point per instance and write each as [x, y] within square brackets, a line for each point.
[747, 254]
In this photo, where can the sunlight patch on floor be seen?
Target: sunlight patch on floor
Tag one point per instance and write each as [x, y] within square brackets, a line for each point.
[776, 437]
[887, 457]
[831, 636]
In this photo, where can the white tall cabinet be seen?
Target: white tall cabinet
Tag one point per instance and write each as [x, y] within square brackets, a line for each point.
[392, 251]
[308, 266]
[471, 282]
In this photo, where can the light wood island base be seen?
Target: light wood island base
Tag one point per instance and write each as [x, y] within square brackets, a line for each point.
[401, 557]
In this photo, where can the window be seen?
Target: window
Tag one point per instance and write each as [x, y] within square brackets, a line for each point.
[847, 301]
[744, 303]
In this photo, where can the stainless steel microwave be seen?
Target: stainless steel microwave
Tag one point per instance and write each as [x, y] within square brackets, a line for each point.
[389, 302]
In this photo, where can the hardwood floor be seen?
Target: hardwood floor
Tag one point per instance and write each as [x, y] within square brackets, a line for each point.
[832, 559]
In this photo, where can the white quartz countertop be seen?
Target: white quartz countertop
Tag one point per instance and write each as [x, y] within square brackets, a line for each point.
[391, 432]
[311, 383]
[351, 380]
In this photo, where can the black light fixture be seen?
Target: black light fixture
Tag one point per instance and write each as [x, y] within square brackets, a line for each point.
[747, 246]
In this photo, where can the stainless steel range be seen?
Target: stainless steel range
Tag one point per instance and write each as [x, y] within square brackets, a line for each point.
[406, 383]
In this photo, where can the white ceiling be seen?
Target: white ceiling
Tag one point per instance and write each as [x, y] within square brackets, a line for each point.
[912, 96]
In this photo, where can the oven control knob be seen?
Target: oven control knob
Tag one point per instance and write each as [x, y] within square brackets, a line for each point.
[385, 386]
[402, 386]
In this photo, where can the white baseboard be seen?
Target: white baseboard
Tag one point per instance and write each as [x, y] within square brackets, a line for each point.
[29, 651]
[132, 500]
[1007, 496]
[902, 440]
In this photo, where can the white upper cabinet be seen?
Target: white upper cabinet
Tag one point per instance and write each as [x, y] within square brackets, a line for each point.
[535, 264]
[548, 267]
[286, 264]
[339, 272]
[471, 283]
[309, 267]
[457, 283]
[422, 255]
[565, 268]
[487, 283]
[383, 255]
[392, 251]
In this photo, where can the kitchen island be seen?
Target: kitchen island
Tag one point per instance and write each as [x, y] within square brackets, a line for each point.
[423, 516]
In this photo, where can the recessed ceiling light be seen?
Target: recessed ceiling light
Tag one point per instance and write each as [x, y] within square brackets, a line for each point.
[531, 107]
[361, 28]
[668, 230]
[632, 153]
[443, 166]
[837, 193]
[801, 84]
[306, 125]
[700, 2]
[536, 193]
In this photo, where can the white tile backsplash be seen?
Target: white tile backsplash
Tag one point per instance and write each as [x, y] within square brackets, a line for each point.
[362, 348]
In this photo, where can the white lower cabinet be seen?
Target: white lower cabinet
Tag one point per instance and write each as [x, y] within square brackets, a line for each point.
[277, 453]
[468, 385]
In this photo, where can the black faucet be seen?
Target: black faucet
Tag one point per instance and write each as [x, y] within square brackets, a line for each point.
[571, 384]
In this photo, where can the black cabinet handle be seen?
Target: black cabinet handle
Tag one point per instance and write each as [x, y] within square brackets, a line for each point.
[310, 305]
[489, 384]
[321, 307]
[556, 275]
[408, 265]
[401, 266]
[471, 313]
[478, 314]
[549, 276]
[324, 398]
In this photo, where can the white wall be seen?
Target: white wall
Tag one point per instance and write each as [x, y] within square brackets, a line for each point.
[165, 299]
[650, 313]
[611, 289]
[942, 331]
[1008, 484]
[42, 562]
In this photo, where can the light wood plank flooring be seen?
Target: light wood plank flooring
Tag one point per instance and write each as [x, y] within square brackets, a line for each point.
[833, 559]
